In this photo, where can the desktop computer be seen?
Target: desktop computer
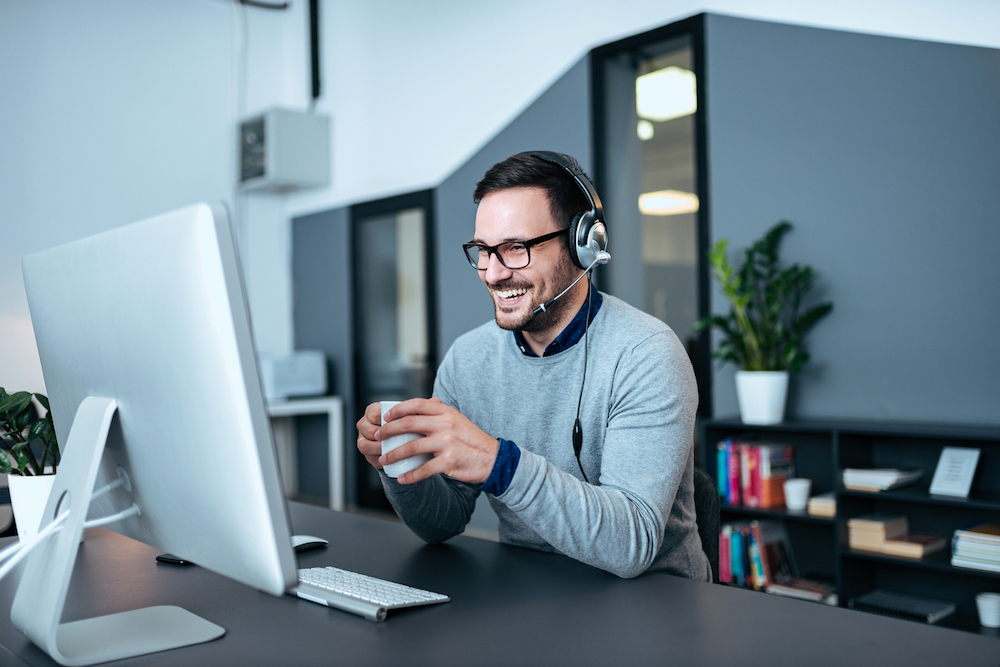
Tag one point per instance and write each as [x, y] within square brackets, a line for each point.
[146, 348]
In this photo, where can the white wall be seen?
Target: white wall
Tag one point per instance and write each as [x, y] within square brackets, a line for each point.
[115, 110]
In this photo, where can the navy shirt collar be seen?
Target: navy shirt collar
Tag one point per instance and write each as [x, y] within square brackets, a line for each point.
[573, 332]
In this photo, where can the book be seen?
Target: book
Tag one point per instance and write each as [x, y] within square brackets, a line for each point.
[885, 524]
[914, 545]
[725, 555]
[734, 472]
[870, 531]
[774, 551]
[776, 464]
[722, 469]
[907, 607]
[975, 563]
[879, 479]
[805, 589]
[746, 475]
[987, 533]
[824, 504]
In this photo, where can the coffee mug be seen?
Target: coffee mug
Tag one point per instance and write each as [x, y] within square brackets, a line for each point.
[988, 606]
[797, 493]
[396, 469]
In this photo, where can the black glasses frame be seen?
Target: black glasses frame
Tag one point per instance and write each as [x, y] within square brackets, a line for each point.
[473, 257]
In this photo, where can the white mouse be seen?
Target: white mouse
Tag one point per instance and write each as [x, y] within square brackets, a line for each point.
[306, 542]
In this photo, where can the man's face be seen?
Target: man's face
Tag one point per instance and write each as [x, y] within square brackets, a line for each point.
[520, 214]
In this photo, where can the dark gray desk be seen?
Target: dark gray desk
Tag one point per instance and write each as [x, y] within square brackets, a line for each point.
[509, 606]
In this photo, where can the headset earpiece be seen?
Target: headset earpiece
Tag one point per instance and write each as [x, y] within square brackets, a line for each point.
[588, 233]
[573, 241]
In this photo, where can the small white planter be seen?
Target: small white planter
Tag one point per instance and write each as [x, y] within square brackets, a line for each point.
[761, 395]
[28, 495]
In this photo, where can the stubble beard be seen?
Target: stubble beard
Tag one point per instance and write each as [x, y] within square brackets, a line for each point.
[529, 322]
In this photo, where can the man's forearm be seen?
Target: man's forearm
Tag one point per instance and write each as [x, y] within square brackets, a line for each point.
[435, 509]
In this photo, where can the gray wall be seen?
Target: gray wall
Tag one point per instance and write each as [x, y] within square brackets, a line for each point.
[321, 274]
[885, 155]
[558, 120]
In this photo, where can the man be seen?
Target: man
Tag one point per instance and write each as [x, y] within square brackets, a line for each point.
[510, 396]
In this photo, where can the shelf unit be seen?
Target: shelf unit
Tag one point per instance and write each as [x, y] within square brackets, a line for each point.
[823, 449]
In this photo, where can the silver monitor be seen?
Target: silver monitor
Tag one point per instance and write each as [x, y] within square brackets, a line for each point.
[145, 343]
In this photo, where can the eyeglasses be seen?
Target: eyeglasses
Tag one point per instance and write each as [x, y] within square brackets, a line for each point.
[513, 254]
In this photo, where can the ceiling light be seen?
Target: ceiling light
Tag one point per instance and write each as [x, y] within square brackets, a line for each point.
[644, 129]
[668, 202]
[666, 94]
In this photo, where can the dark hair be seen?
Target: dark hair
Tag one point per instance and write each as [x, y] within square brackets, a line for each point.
[566, 199]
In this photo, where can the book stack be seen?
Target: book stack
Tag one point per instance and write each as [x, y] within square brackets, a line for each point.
[908, 607]
[754, 474]
[977, 547]
[757, 555]
[825, 504]
[888, 534]
[879, 479]
[869, 532]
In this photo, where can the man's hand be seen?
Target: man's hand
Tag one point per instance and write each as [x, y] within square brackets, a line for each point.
[368, 426]
[461, 449]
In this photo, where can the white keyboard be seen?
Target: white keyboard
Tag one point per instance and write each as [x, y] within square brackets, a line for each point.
[359, 593]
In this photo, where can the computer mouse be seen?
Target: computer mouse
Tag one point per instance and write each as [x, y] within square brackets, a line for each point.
[307, 542]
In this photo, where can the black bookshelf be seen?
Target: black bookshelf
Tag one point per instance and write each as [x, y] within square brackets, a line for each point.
[823, 448]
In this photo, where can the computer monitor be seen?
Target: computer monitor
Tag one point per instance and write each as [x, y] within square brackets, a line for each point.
[146, 348]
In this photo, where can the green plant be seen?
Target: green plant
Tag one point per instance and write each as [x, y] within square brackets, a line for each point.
[764, 328]
[27, 441]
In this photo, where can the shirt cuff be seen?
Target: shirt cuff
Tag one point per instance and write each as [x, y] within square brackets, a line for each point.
[503, 468]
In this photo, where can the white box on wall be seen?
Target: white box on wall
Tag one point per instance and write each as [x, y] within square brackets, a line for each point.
[283, 150]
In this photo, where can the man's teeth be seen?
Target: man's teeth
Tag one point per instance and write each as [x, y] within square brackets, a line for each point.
[511, 293]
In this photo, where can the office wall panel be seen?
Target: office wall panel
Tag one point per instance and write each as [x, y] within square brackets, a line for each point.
[885, 155]
[558, 120]
[321, 272]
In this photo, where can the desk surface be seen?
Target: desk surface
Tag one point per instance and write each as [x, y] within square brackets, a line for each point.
[509, 606]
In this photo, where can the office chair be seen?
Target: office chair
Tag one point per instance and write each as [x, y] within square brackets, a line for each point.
[706, 509]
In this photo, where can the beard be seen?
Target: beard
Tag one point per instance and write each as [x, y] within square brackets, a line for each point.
[563, 275]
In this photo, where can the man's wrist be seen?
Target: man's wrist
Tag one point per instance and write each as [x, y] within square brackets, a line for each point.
[504, 467]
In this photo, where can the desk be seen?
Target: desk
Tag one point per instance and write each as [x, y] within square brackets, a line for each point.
[509, 606]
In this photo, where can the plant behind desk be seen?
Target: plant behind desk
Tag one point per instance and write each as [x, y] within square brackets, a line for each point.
[27, 440]
[764, 328]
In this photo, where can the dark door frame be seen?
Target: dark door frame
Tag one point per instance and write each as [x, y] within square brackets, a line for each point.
[693, 28]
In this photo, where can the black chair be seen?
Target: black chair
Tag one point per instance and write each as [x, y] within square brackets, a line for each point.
[706, 509]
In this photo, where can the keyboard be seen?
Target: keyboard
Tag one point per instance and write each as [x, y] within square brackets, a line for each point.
[359, 593]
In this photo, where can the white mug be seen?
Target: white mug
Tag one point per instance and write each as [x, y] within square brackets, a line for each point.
[797, 493]
[988, 606]
[396, 469]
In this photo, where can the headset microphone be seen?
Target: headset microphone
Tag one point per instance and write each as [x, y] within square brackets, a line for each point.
[602, 258]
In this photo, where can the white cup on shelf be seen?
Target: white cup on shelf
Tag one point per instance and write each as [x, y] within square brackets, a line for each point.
[797, 493]
[988, 606]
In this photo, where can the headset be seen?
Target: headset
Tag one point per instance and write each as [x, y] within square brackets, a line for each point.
[588, 247]
[588, 233]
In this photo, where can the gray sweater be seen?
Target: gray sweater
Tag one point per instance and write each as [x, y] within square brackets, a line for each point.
[638, 412]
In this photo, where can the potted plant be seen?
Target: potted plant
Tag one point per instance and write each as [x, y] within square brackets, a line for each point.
[29, 455]
[762, 334]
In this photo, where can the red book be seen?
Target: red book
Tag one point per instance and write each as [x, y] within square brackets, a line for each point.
[725, 555]
[734, 473]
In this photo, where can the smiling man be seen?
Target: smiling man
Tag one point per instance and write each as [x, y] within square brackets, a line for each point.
[573, 411]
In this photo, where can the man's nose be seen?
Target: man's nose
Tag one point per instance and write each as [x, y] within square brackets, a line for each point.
[495, 270]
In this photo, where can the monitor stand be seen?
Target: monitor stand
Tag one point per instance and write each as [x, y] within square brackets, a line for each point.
[41, 594]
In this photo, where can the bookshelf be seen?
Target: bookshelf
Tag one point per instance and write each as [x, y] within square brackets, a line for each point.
[822, 450]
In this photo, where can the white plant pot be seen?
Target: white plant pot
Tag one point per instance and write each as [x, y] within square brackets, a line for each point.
[761, 395]
[28, 495]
